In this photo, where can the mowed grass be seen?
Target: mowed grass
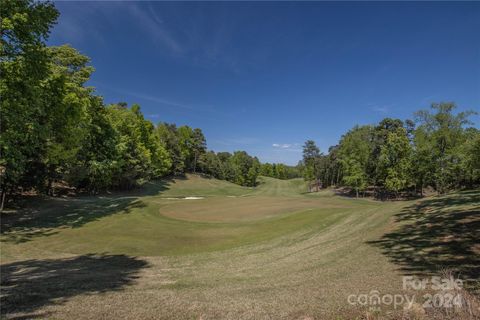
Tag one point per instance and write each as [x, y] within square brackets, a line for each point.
[162, 222]
[271, 252]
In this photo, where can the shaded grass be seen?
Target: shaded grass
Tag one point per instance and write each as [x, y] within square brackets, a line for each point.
[32, 284]
[40, 216]
[436, 234]
[43, 216]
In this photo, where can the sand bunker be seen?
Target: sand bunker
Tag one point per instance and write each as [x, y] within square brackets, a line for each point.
[185, 198]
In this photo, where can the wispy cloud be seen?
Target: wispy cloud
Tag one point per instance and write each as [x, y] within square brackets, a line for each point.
[185, 35]
[84, 22]
[201, 111]
[154, 26]
[196, 111]
[294, 147]
[157, 99]
[161, 100]
[74, 28]
[281, 145]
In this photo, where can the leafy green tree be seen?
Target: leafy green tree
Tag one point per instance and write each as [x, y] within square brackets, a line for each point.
[310, 151]
[445, 132]
[169, 137]
[241, 163]
[160, 159]
[355, 175]
[199, 146]
[184, 145]
[68, 115]
[24, 68]
[354, 153]
[252, 174]
[396, 160]
[210, 164]
[55, 128]
[468, 166]
[185, 141]
[245, 168]
[423, 166]
[311, 154]
[334, 167]
[140, 156]
[227, 168]
[293, 172]
[377, 176]
[309, 173]
[280, 171]
[266, 169]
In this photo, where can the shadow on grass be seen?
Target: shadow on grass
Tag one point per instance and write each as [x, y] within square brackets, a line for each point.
[29, 285]
[42, 217]
[380, 195]
[436, 234]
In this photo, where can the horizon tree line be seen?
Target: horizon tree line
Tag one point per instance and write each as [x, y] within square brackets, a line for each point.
[54, 128]
[438, 149]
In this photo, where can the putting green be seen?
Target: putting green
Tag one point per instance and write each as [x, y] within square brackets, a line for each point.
[233, 209]
[156, 221]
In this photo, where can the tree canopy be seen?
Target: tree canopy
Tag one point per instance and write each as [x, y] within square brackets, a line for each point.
[54, 129]
[439, 149]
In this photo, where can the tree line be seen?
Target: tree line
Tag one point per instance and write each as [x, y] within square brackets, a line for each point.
[279, 171]
[55, 128]
[438, 149]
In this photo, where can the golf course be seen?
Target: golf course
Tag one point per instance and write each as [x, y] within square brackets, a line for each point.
[201, 248]
[239, 160]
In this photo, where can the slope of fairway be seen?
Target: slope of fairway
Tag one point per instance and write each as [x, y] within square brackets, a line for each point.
[157, 220]
[271, 252]
[276, 187]
[193, 185]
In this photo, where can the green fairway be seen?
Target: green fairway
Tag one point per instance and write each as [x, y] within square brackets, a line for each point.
[162, 222]
[228, 252]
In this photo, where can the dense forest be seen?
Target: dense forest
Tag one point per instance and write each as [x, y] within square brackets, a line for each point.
[439, 149]
[55, 128]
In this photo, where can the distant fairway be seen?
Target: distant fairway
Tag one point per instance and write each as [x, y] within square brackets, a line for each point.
[273, 251]
[162, 222]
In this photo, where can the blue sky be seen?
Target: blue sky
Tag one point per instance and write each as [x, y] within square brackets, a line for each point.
[266, 76]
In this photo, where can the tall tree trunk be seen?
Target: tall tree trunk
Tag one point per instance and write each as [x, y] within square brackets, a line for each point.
[49, 188]
[4, 194]
[470, 183]
[195, 163]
